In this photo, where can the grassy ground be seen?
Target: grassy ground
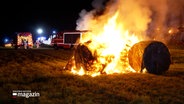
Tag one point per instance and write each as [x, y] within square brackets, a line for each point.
[41, 70]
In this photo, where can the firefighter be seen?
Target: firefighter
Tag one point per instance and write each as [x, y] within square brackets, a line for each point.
[37, 43]
[25, 44]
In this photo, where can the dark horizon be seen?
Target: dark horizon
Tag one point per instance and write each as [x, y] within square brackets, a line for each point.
[28, 16]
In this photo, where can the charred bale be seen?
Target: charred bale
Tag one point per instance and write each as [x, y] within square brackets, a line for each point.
[83, 57]
[152, 55]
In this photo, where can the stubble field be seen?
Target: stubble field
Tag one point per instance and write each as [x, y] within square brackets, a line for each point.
[41, 71]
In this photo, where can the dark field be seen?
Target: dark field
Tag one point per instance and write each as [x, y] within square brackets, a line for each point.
[41, 70]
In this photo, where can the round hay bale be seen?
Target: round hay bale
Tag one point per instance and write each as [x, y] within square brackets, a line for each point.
[152, 55]
[83, 57]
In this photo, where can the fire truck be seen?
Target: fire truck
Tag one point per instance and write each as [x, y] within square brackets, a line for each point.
[67, 39]
[22, 38]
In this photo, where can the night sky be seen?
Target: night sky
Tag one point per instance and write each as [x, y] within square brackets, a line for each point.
[49, 15]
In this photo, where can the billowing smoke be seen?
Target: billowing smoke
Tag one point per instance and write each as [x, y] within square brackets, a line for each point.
[165, 14]
[150, 17]
[99, 4]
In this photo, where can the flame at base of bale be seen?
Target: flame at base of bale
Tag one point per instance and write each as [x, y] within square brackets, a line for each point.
[154, 56]
[82, 62]
[88, 62]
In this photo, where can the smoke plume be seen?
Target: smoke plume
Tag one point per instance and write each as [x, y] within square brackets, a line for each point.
[150, 17]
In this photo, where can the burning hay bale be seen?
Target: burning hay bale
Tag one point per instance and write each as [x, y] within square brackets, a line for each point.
[152, 55]
[83, 57]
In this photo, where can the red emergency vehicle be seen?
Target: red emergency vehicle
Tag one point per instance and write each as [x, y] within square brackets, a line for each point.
[67, 39]
[23, 38]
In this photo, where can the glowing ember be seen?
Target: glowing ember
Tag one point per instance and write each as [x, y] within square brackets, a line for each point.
[111, 37]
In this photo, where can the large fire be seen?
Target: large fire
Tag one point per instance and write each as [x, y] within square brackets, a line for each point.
[115, 26]
[112, 35]
[110, 44]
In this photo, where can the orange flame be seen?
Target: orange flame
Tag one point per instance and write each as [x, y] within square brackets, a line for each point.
[110, 45]
[122, 24]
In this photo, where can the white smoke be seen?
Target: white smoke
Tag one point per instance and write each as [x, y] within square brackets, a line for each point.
[137, 15]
